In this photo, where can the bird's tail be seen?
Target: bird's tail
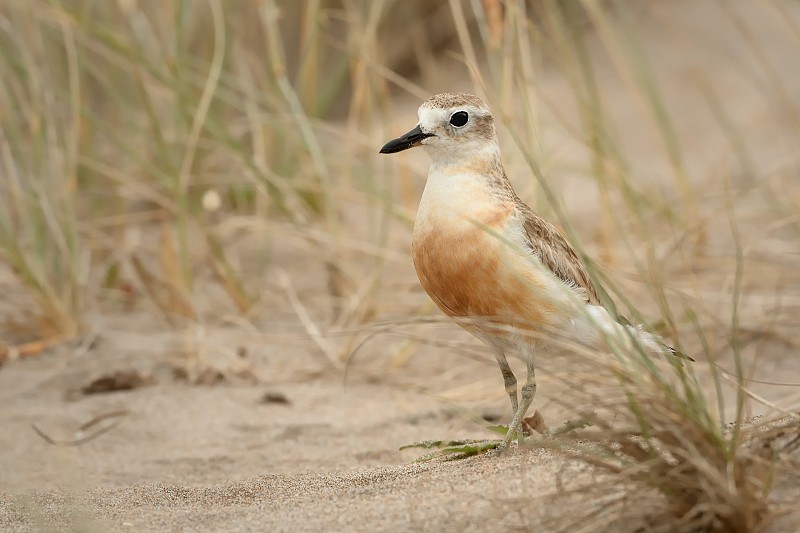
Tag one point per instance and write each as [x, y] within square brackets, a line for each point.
[655, 344]
[674, 351]
[599, 319]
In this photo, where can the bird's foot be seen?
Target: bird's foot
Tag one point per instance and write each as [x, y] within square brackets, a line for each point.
[498, 451]
[534, 423]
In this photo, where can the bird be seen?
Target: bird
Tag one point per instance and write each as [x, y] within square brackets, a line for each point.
[491, 263]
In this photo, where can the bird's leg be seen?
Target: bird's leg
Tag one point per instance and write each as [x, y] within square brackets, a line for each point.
[528, 392]
[509, 380]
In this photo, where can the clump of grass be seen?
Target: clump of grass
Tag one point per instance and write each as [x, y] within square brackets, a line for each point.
[40, 136]
[120, 117]
[660, 432]
[665, 428]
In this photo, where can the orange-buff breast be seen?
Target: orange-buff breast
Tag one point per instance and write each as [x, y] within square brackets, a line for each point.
[474, 274]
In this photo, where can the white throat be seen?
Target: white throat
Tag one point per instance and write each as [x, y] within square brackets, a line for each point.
[459, 190]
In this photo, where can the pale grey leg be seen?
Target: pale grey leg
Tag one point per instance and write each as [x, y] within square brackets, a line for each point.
[509, 380]
[528, 392]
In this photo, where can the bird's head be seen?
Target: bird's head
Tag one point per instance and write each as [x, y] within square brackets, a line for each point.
[451, 126]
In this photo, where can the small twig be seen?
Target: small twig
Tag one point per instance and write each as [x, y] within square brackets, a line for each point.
[305, 319]
[29, 349]
[105, 416]
[754, 380]
[116, 415]
[761, 399]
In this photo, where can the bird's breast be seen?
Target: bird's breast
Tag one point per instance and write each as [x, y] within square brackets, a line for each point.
[471, 268]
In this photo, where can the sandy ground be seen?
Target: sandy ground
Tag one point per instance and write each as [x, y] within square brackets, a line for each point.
[321, 455]
[218, 457]
[248, 427]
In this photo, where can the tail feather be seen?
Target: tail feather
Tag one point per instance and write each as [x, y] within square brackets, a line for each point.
[677, 353]
[655, 343]
[599, 317]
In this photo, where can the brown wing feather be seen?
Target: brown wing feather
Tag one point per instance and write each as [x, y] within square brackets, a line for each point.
[560, 257]
[555, 252]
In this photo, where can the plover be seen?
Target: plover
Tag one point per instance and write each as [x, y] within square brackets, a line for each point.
[489, 261]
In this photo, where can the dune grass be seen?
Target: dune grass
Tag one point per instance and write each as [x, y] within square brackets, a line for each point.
[670, 431]
[140, 141]
[120, 117]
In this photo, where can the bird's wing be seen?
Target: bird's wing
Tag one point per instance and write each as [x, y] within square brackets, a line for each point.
[560, 257]
[556, 253]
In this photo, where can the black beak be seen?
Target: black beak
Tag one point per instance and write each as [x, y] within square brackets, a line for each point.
[409, 140]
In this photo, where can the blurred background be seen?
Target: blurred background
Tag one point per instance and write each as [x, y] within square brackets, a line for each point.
[191, 194]
[174, 157]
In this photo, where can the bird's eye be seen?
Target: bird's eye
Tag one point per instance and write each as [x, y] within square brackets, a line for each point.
[459, 118]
